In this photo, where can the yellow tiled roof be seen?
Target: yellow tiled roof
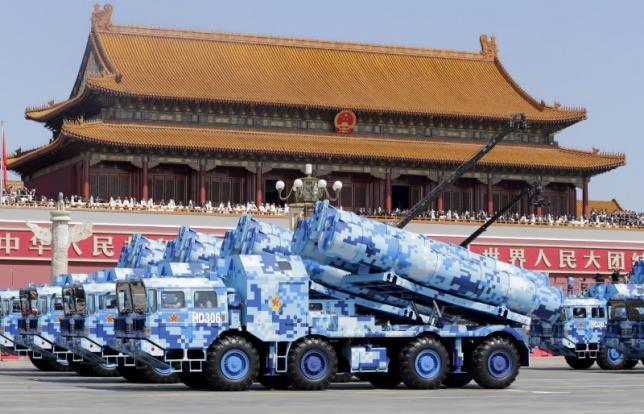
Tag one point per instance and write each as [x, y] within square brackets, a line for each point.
[348, 147]
[610, 206]
[229, 67]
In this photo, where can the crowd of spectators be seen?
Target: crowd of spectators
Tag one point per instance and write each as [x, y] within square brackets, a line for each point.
[597, 218]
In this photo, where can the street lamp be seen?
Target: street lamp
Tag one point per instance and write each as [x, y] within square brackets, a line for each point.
[307, 191]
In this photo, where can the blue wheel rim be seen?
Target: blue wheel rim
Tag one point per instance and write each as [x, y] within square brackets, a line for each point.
[428, 364]
[314, 364]
[163, 371]
[614, 356]
[234, 364]
[499, 364]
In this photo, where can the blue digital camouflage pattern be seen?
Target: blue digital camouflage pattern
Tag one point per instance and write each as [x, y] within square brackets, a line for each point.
[8, 319]
[192, 246]
[275, 292]
[581, 327]
[368, 359]
[637, 274]
[141, 252]
[625, 331]
[377, 247]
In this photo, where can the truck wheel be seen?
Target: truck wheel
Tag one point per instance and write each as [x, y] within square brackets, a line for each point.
[155, 376]
[576, 363]
[47, 364]
[611, 359]
[194, 380]
[631, 363]
[457, 380]
[232, 365]
[385, 380]
[423, 363]
[274, 382]
[495, 363]
[131, 374]
[312, 364]
[90, 369]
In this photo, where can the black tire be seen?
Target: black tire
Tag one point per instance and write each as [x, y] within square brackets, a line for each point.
[495, 363]
[232, 364]
[457, 380]
[423, 363]
[153, 376]
[131, 374]
[611, 359]
[386, 380]
[43, 364]
[47, 364]
[312, 364]
[194, 380]
[89, 369]
[576, 363]
[631, 363]
[274, 382]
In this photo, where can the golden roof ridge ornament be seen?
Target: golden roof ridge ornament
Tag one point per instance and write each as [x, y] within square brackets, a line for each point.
[102, 19]
[488, 47]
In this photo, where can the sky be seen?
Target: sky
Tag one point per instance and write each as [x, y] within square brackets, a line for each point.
[581, 53]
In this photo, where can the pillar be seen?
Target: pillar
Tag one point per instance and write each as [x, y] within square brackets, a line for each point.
[388, 204]
[490, 200]
[440, 201]
[202, 185]
[584, 196]
[144, 180]
[259, 194]
[86, 178]
[59, 242]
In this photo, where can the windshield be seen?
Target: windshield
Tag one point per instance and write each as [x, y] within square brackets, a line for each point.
[29, 302]
[635, 310]
[131, 297]
[74, 300]
[617, 311]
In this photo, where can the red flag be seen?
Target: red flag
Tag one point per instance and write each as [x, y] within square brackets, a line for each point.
[4, 160]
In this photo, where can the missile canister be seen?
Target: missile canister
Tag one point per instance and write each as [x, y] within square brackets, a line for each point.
[141, 252]
[377, 247]
[192, 246]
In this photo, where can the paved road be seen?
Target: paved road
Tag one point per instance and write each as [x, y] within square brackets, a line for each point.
[548, 387]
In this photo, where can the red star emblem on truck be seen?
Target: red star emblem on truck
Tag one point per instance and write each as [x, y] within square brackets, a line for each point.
[276, 303]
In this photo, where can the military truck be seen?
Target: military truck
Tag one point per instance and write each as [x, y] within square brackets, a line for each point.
[348, 294]
[39, 325]
[9, 316]
[578, 334]
[625, 329]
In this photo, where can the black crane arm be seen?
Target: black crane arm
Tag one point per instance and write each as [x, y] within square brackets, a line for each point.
[517, 122]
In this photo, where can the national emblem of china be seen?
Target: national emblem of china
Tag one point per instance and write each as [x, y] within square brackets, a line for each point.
[344, 122]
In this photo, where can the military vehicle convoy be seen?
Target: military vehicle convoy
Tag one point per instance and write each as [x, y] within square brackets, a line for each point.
[578, 334]
[342, 294]
[9, 315]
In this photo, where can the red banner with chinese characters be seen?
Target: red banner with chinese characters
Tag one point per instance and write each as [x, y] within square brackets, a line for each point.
[561, 256]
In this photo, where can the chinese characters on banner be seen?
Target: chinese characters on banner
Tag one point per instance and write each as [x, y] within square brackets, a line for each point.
[564, 259]
[105, 246]
[100, 247]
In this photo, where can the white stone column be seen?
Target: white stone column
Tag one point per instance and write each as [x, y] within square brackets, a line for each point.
[60, 242]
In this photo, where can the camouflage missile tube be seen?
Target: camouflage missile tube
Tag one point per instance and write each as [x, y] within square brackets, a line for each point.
[141, 252]
[378, 247]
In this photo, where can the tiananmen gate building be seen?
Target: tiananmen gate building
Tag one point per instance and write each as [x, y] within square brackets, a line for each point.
[191, 115]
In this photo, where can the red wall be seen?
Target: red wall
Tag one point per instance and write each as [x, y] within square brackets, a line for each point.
[49, 185]
[17, 274]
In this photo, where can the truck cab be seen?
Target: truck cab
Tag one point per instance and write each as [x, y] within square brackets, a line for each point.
[158, 317]
[9, 316]
[625, 330]
[39, 326]
[87, 325]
